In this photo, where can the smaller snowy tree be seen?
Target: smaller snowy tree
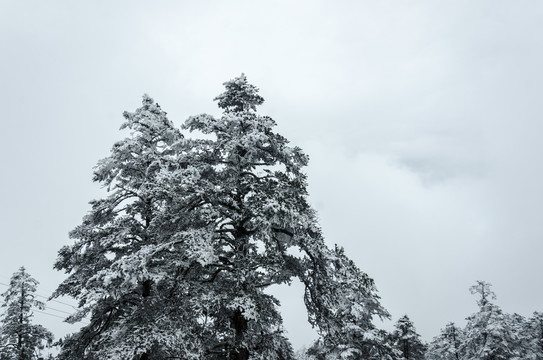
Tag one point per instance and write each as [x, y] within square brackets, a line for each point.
[19, 338]
[446, 346]
[489, 334]
[519, 340]
[302, 354]
[532, 331]
[407, 340]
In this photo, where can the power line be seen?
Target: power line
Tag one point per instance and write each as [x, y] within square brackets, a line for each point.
[46, 313]
[57, 316]
[47, 298]
[50, 308]
[57, 301]
[60, 311]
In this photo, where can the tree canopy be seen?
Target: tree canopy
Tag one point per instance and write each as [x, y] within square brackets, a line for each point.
[176, 259]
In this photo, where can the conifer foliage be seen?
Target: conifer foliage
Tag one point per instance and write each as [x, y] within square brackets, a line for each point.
[407, 340]
[175, 261]
[490, 334]
[447, 345]
[20, 339]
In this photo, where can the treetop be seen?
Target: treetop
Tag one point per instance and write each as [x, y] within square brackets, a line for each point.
[239, 96]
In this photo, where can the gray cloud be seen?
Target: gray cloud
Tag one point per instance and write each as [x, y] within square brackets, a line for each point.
[422, 122]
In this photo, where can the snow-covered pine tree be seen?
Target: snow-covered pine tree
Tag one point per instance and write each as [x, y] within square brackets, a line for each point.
[123, 267]
[257, 198]
[447, 345]
[519, 339]
[371, 344]
[19, 338]
[407, 340]
[176, 260]
[488, 334]
[532, 334]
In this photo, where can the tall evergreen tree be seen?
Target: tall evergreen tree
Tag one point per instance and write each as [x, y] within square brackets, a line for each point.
[122, 266]
[19, 338]
[176, 260]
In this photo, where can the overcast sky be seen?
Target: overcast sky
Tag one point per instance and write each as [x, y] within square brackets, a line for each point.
[422, 120]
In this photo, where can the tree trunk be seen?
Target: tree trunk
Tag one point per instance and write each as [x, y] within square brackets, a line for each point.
[239, 323]
[21, 321]
[454, 344]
